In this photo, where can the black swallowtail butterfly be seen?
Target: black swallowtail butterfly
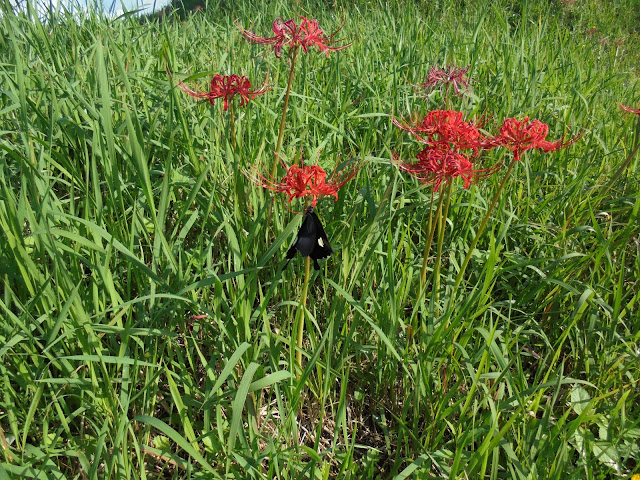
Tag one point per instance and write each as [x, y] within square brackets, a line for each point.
[312, 241]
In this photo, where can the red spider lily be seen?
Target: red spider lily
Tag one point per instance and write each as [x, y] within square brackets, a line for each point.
[314, 35]
[450, 75]
[227, 87]
[441, 165]
[444, 128]
[285, 33]
[288, 33]
[520, 136]
[630, 110]
[306, 181]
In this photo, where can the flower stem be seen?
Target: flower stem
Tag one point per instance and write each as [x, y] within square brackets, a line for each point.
[232, 126]
[431, 228]
[427, 245]
[442, 225]
[614, 178]
[622, 168]
[463, 267]
[274, 168]
[434, 226]
[303, 303]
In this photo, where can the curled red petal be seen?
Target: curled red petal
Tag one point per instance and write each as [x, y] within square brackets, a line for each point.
[192, 93]
[635, 111]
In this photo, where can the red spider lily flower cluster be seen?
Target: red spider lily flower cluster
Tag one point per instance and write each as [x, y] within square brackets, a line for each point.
[227, 87]
[436, 166]
[449, 76]
[306, 181]
[520, 136]
[445, 128]
[305, 34]
[630, 110]
[446, 133]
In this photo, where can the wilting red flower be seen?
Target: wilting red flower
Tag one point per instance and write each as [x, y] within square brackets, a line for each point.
[227, 87]
[285, 33]
[448, 76]
[435, 166]
[288, 33]
[520, 136]
[630, 110]
[306, 181]
[444, 128]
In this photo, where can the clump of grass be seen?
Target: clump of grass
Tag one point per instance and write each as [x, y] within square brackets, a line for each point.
[147, 330]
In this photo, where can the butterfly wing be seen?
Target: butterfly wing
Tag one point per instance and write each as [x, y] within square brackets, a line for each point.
[312, 240]
[307, 235]
[322, 247]
[305, 239]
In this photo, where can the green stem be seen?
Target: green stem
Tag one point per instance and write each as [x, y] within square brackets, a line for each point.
[301, 308]
[431, 229]
[274, 168]
[622, 168]
[463, 267]
[427, 245]
[436, 221]
[616, 175]
[442, 225]
[238, 177]
[232, 127]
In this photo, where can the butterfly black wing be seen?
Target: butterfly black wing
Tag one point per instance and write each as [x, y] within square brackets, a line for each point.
[322, 248]
[307, 235]
[312, 240]
[291, 252]
[306, 238]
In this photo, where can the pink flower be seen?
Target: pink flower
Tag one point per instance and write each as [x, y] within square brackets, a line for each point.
[630, 110]
[448, 76]
[227, 87]
[287, 33]
[306, 181]
[520, 136]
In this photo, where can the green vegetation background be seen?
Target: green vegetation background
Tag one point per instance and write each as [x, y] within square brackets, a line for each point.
[146, 310]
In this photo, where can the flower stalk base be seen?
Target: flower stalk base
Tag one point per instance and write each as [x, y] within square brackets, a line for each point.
[283, 119]
[301, 311]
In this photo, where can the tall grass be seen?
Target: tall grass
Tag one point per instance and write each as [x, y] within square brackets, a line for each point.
[148, 312]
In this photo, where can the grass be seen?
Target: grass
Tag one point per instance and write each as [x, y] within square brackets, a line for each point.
[147, 309]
